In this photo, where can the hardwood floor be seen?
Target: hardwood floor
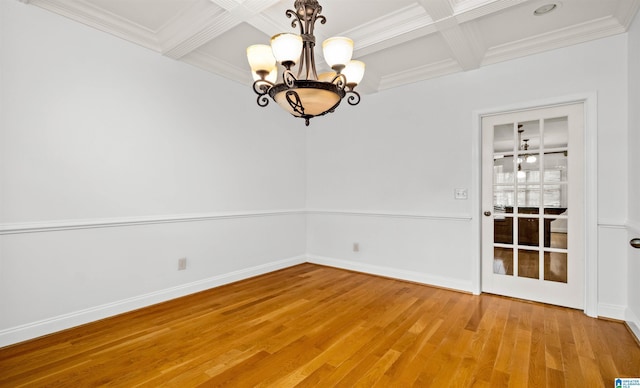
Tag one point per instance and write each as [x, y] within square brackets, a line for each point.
[310, 325]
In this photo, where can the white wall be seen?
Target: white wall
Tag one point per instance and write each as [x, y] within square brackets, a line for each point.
[383, 174]
[633, 314]
[115, 162]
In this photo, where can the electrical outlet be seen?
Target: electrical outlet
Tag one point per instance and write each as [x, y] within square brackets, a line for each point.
[460, 194]
[356, 247]
[182, 264]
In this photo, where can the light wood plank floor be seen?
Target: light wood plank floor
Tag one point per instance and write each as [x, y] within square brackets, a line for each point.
[310, 325]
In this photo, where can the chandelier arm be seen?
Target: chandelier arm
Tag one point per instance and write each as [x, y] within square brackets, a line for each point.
[261, 87]
[340, 80]
[354, 97]
[311, 63]
[313, 18]
[262, 101]
[296, 21]
[312, 73]
[288, 78]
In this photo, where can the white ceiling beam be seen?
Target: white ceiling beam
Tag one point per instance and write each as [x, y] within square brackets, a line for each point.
[205, 21]
[401, 26]
[462, 39]
[465, 45]
[437, 9]
[474, 9]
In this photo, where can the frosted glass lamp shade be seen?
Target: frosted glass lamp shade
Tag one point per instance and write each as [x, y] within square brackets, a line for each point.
[261, 58]
[354, 72]
[286, 47]
[337, 52]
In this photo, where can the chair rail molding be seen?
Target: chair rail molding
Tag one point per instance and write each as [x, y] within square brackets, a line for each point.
[58, 225]
[392, 214]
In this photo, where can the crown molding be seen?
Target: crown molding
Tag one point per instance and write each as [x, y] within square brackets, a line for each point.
[421, 73]
[217, 66]
[397, 27]
[245, 9]
[201, 23]
[579, 33]
[437, 9]
[207, 20]
[94, 17]
[196, 37]
[466, 11]
[626, 12]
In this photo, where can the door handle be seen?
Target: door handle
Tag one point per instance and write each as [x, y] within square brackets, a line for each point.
[487, 213]
[635, 242]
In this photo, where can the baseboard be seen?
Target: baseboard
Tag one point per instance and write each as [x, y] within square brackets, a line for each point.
[395, 273]
[51, 325]
[612, 311]
[633, 323]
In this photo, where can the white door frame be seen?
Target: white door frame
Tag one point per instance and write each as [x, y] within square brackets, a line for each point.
[590, 181]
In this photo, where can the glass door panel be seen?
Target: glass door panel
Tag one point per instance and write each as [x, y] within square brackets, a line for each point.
[528, 264]
[528, 180]
[530, 186]
[529, 199]
[555, 267]
[503, 262]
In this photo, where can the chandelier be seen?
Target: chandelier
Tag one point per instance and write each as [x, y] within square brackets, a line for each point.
[523, 156]
[305, 94]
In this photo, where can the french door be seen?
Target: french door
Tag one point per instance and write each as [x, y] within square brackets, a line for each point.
[533, 205]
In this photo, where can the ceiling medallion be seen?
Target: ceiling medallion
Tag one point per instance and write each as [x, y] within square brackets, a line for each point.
[305, 94]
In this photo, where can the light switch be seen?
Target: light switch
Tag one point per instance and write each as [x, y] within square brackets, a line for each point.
[460, 194]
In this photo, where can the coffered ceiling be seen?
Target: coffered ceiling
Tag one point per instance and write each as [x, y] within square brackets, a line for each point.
[401, 41]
